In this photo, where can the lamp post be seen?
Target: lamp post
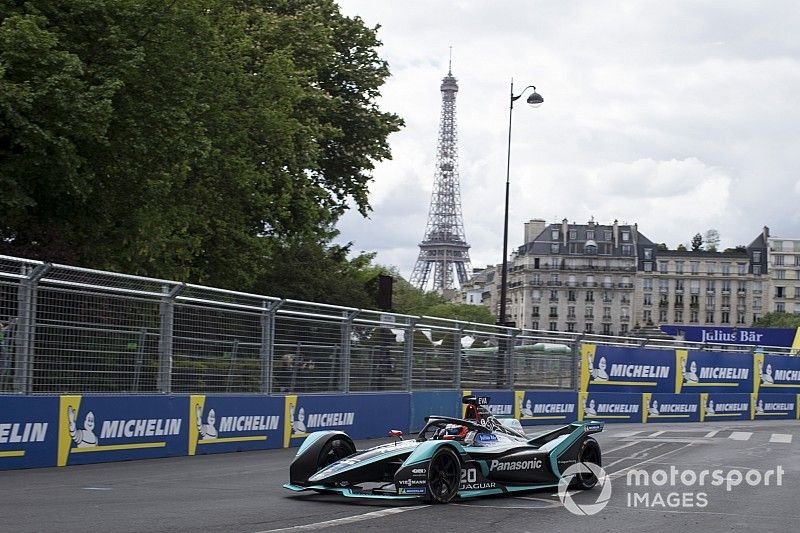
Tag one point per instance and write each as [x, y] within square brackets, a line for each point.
[535, 100]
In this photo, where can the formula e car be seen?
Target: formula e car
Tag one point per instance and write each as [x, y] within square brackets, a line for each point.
[451, 457]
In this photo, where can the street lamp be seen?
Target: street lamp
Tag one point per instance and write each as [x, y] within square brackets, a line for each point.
[535, 100]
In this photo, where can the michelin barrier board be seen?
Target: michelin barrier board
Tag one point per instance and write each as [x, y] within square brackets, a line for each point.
[773, 406]
[665, 407]
[28, 431]
[776, 373]
[719, 407]
[610, 406]
[615, 369]
[546, 407]
[219, 424]
[361, 416]
[698, 371]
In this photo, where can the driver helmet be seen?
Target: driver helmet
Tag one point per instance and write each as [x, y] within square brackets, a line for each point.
[454, 432]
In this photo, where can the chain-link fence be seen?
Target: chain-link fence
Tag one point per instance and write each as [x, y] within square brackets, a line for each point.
[73, 330]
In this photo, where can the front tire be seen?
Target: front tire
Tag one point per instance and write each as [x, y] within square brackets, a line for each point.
[589, 453]
[444, 475]
[334, 450]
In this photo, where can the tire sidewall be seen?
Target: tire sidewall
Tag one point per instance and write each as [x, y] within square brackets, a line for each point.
[578, 482]
[431, 495]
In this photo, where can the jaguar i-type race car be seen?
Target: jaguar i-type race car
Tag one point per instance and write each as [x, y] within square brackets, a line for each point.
[474, 456]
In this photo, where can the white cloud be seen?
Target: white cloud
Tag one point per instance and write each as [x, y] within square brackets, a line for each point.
[680, 116]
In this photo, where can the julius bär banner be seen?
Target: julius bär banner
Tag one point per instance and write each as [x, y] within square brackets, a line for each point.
[698, 371]
[786, 338]
[546, 407]
[776, 373]
[616, 369]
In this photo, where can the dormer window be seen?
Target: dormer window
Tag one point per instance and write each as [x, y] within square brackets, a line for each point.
[590, 248]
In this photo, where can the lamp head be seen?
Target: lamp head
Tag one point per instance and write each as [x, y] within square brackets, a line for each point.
[535, 99]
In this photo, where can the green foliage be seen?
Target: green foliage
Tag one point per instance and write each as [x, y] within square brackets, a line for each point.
[662, 247]
[189, 140]
[778, 320]
[680, 248]
[712, 239]
[697, 242]
[462, 312]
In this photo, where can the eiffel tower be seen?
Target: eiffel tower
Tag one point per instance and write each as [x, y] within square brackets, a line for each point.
[444, 249]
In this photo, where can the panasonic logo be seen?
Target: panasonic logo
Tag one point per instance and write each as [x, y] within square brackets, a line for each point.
[547, 408]
[515, 465]
[153, 427]
[721, 372]
[639, 371]
[331, 419]
[787, 375]
[248, 423]
[618, 408]
[31, 432]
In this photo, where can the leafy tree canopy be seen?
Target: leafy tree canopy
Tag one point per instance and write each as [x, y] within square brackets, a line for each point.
[778, 320]
[697, 243]
[189, 140]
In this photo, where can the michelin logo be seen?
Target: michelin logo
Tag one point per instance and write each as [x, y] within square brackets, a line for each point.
[670, 408]
[500, 409]
[85, 437]
[229, 424]
[528, 409]
[499, 466]
[31, 432]
[719, 408]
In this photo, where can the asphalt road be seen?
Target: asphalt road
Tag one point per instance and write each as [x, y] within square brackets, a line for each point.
[242, 492]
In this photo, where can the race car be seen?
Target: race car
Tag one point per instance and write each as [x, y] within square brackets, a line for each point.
[451, 457]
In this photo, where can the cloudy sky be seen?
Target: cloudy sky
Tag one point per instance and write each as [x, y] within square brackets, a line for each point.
[681, 116]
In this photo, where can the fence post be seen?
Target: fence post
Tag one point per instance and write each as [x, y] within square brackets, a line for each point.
[408, 353]
[25, 336]
[512, 342]
[167, 315]
[267, 351]
[347, 329]
[457, 353]
[576, 357]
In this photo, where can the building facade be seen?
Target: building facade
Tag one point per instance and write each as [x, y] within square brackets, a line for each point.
[611, 279]
[784, 265]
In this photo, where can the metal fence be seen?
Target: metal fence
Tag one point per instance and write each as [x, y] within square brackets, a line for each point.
[65, 329]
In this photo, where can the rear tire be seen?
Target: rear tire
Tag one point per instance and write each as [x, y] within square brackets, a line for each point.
[589, 453]
[444, 475]
[334, 450]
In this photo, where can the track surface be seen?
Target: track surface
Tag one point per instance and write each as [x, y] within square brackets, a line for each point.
[242, 493]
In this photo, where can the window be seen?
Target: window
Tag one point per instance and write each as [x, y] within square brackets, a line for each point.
[590, 281]
[780, 307]
[573, 234]
[606, 329]
[797, 292]
[757, 270]
[607, 235]
[710, 268]
[553, 326]
[534, 325]
[756, 257]
[648, 316]
[709, 317]
[589, 312]
[570, 326]
[589, 328]
[662, 315]
[535, 313]
[757, 303]
[623, 329]
[553, 311]
[626, 249]
[648, 299]
[648, 284]
[536, 295]
[694, 286]
[626, 236]
[663, 300]
[695, 265]
[553, 296]
[606, 313]
[726, 286]
[648, 266]
[726, 301]
[625, 312]
[780, 292]
[757, 287]
[679, 315]
[572, 281]
[679, 267]
[726, 317]
[589, 296]
[797, 260]
[711, 286]
[571, 296]
[726, 269]
[780, 274]
[741, 269]
[554, 235]
[740, 318]
[679, 285]
[554, 248]
[607, 282]
[710, 301]
[679, 299]
[589, 234]
[648, 253]
[694, 300]
[571, 311]
[693, 316]
[778, 260]
[663, 285]
[608, 296]
[662, 267]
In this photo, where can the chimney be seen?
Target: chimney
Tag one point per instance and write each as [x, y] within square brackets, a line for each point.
[533, 229]
[635, 233]
[616, 233]
[564, 231]
[765, 232]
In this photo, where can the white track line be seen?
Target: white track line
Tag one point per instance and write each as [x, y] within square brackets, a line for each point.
[348, 519]
[784, 438]
[712, 433]
[741, 435]
[606, 452]
[622, 434]
[618, 473]
[656, 434]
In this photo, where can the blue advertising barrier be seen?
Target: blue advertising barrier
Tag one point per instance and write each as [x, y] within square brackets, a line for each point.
[361, 416]
[97, 429]
[501, 402]
[618, 369]
[723, 407]
[28, 431]
[765, 406]
[666, 407]
[219, 424]
[776, 373]
[424, 403]
[610, 406]
[698, 371]
[546, 407]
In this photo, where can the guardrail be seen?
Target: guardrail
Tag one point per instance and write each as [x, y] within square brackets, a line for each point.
[66, 329]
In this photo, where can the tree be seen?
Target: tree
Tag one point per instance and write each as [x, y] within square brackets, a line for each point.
[189, 140]
[681, 248]
[662, 247]
[712, 240]
[778, 320]
[463, 312]
[697, 242]
[739, 248]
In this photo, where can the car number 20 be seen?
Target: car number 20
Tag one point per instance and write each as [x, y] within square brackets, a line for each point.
[469, 475]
